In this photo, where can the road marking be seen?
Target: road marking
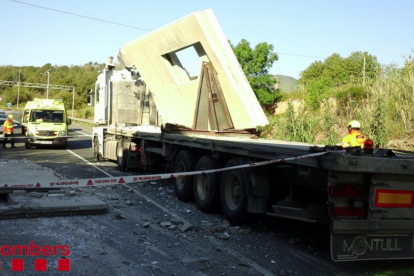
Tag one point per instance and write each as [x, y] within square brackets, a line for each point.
[89, 163]
[84, 133]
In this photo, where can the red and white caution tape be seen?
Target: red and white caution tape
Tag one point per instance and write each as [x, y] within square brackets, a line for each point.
[106, 181]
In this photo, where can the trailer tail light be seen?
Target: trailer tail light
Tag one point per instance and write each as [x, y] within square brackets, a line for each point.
[346, 190]
[348, 212]
[394, 198]
[135, 148]
[347, 200]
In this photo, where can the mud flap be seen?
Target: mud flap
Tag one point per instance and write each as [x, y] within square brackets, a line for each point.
[353, 247]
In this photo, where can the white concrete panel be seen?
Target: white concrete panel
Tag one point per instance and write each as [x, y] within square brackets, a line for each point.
[175, 94]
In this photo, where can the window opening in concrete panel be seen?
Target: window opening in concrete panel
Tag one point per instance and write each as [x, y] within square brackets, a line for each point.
[186, 63]
[190, 62]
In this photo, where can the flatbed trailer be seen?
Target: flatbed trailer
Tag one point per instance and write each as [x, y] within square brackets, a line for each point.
[150, 113]
[366, 198]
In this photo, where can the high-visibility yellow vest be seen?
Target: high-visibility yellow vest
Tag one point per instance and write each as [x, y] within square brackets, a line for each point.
[8, 127]
[354, 138]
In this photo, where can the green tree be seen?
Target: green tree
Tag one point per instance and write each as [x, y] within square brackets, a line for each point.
[81, 77]
[341, 71]
[335, 72]
[317, 91]
[313, 72]
[355, 63]
[256, 64]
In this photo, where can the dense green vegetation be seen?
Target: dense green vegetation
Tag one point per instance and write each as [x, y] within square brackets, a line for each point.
[328, 94]
[322, 79]
[81, 77]
[338, 90]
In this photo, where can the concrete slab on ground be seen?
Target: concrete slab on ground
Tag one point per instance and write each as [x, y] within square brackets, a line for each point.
[17, 203]
[36, 204]
[24, 172]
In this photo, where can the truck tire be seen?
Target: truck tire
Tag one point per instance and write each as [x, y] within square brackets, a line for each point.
[64, 146]
[206, 187]
[121, 157]
[96, 154]
[184, 162]
[233, 193]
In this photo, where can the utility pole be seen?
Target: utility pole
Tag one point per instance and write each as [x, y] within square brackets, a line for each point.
[18, 90]
[363, 75]
[47, 87]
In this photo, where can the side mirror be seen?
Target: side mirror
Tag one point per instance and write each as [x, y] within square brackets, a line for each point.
[89, 100]
[69, 121]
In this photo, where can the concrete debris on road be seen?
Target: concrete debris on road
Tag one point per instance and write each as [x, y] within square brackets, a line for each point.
[41, 202]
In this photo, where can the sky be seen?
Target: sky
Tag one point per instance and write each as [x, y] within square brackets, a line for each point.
[76, 32]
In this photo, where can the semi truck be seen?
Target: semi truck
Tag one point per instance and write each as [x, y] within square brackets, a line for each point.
[149, 111]
[45, 122]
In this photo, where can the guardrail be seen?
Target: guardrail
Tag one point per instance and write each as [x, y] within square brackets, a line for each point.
[81, 120]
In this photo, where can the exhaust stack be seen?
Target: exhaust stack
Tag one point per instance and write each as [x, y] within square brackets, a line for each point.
[110, 65]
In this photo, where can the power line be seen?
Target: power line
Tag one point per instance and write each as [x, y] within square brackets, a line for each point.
[298, 55]
[79, 15]
[128, 26]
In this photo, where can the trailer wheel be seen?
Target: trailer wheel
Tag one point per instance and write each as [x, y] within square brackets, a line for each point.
[96, 154]
[121, 157]
[207, 186]
[233, 192]
[184, 162]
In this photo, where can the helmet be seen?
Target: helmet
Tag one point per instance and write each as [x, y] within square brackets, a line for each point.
[354, 124]
[10, 116]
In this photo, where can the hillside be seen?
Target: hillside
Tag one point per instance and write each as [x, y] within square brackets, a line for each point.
[286, 83]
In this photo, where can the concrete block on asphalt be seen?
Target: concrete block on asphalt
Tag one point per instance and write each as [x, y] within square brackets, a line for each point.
[28, 206]
[233, 230]
[38, 202]
[19, 192]
[186, 227]
[35, 194]
[60, 191]
[27, 172]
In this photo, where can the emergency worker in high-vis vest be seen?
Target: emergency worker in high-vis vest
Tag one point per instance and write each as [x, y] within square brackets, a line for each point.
[8, 131]
[355, 136]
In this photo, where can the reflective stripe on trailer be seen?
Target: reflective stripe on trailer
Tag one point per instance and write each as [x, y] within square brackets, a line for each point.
[394, 198]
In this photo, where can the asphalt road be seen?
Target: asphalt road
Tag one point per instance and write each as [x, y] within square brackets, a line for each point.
[147, 231]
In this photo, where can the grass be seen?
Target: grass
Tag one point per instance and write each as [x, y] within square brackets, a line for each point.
[385, 108]
[84, 113]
